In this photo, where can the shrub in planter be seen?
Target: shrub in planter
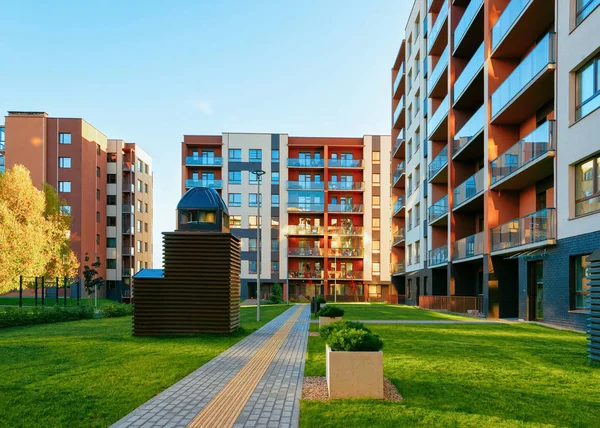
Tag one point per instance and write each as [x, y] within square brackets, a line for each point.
[328, 329]
[116, 310]
[354, 340]
[320, 299]
[331, 312]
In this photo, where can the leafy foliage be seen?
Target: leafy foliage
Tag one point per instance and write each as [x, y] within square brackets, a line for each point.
[351, 339]
[116, 310]
[320, 299]
[13, 317]
[90, 279]
[276, 295]
[331, 312]
[328, 329]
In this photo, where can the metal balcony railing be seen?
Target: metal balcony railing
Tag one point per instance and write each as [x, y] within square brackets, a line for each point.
[440, 161]
[347, 275]
[398, 267]
[305, 230]
[305, 185]
[345, 208]
[469, 188]
[346, 185]
[306, 163]
[533, 228]
[438, 256]
[437, 210]
[213, 184]
[203, 161]
[294, 274]
[305, 207]
[349, 231]
[306, 252]
[345, 252]
[468, 247]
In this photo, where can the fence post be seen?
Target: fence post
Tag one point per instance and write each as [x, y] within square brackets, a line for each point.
[78, 290]
[36, 290]
[21, 291]
[65, 292]
[43, 283]
[57, 291]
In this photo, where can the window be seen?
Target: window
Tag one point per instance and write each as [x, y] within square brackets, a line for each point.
[581, 297]
[376, 223]
[139, 226]
[254, 199]
[252, 266]
[235, 199]
[408, 220]
[275, 267]
[235, 221]
[275, 177]
[409, 289]
[111, 263]
[274, 200]
[376, 179]
[588, 88]
[145, 227]
[274, 244]
[409, 150]
[376, 268]
[139, 246]
[111, 178]
[145, 208]
[252, 244]
[111, 242]
[235, 155]
[64, 138]
[376, 158]
[375, 290]
[146, 168]
[111, 285]
[139, 206]
[252, 221]
[587, 186]
[140, 185]
[417, 252]
[584, 8]
[139, 265]
[409, 190]
[235, 177]
[275, 155]
[97, 171]
[97, 194]
[97, 239]
[255, 155]
[65, 209]
[376, 246]
[409, 251]
[140, 166]
[98, 149]
[64, 186]
[97, 217]
[417, 102]
[64, 162]
[111, 221]
[417, 177]
[274, 222]
[145, 246]
[376, 201]
[111, 157]
[417, 214]
[145, 188]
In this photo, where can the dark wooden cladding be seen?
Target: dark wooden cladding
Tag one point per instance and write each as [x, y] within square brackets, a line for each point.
[199, 291]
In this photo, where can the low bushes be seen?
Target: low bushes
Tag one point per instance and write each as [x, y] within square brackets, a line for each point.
[13, 317]
[116, 310]
[320, 299]
[328, 329]
[350, 336]
[331, 312]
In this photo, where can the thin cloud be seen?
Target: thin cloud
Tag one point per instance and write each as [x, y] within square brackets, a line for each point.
[204, 107]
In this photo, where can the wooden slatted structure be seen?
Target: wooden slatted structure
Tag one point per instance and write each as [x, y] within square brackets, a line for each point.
[199, 290]
[594, 325]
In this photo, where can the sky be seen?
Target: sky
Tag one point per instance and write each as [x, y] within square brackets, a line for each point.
[150, 71]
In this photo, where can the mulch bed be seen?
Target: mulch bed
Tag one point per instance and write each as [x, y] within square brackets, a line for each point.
[315, 388]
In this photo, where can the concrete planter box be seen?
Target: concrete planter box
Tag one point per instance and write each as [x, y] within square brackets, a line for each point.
[354, 374]
[328, 320]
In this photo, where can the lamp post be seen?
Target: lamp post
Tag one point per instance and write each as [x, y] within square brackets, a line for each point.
[287, 274]
[259, 173]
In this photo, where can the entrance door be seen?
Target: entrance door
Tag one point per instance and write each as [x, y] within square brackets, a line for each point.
[535, 298]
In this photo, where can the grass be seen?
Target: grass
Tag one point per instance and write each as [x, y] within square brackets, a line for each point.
[379, 311]
[91, 373]
[470, 376]
[30, 301]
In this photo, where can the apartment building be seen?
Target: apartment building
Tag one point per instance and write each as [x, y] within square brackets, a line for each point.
[324, 209]
[105, 195]
[512, 164]
[1, 148]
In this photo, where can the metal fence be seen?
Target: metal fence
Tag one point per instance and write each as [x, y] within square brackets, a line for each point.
[45, 291]
[467, 305]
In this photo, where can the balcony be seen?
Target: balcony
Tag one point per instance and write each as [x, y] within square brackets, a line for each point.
[465, 193]
[527, 162]
[346, 185]
[203, 161]
[399, 141]
[306, 252]
[128, 188]
[532, 81]
[398, 206]
[398, 268]
[345, 231]
[468, 88]
[345, 208]
[128, 209]
[398, 174]
[468, 142]
[399, 116]
[213, 184]
[345, 252]
[127, 231]
[525, 233]
[433, 6]
[469, 30]
[305, 185]
[305, 230]
[343, 276]
[468, 248]
[519, 26]
[438, 168]
[344, 163]
[294, 274]
[128, 251]
[399, 80]
[438, 124]
[437, 214]
[438, 82]
[399, 237]
[305, 207]
[437, 257]
[127, 166]
[126, 273]
[305, 163]
[438, 36]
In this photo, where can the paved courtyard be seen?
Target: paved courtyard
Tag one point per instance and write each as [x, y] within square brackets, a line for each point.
[255, 383]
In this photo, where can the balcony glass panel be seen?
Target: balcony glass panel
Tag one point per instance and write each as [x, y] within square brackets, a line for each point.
[345, 252]
[437, 210]
[537, 60]
[438, 256]
[306, 207]
[399, 204]
[319, 274]
[440, 114]
[398, 77]
[344, 163]
[536, 144]
[399, 171]
[346, 185]
[346, 230]
[206, 161]
[398, 267]
[441, 65]
[399, 236]
[473, 127]
[345, 208]
[438, 162]
[398, 141]
[466, 20]
[306, 163]
[306, 252]
[469, 188]
[399, 108]
[305, 185]
[509, 16]
[305, 230]
[213, 184]
[468, 247]
[469, 72]
[537, 227]
[437, 25]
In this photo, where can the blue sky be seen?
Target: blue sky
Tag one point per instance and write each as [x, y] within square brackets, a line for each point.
[151, 71]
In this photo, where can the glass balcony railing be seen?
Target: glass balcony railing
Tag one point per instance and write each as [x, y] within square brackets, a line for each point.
[470, 246]
[437, 210]
[344, 163]
[398, 267]
[537, 60]
[466, 20]
[440, 161]
[305, 185]
[305, 207]
[536, 144]
[438, 117]
[438, 256]
[305, 230]
[533, 228]
[399, 204]
[203, 161]
[469, 72]
[127, 187]
[398, 141]
[399, 172]
[345, 252]
[345, 231]
[346, 185]
[306, 252]
[306, 163]
[127, 209]
[342, 275]
[469, 188]
[295, 274]
[437, 25]
[399, 236]
[213, 184]
[398, 77]
[509, 16]
[401, 105]
[438, 70]
[345, 208]
[469, 130]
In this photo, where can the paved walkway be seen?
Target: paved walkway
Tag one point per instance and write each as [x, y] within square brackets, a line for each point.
[474, 321]
[255, 383]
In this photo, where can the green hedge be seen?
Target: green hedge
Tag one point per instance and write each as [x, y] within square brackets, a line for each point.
[328, 329]
[354, 340]
[116, 310]
[13, 317]
[331, 312]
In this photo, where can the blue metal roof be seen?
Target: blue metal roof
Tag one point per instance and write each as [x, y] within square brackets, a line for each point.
[202, 198]
[150, 273]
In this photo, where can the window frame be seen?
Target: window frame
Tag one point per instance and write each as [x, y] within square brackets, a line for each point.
[64, 187]
[233, 202]
[595, 184]
[255, 158]
[579, 104]
[64, 162]
[233, 158]
[235, 180]
[581, 14]
[62, 140]
[574, 292]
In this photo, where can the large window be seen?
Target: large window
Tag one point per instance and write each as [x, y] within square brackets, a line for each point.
[275, 177]
[584, 8]
[587, 186]
[252, 266]
[235, 155]
[588, 88]
[111, 242]
[64, 186]
[581, 285]
[64, 138]
[274, 200]
[65, 209]
[252, 221]
[255, 155]
[235, 177]
[235, 199]
[235, 221]
[274, 244]
[274, 267]
[111, 263]
[275, 222]
[64, 162]
[274, 155]
[254, 199]
[252, 244]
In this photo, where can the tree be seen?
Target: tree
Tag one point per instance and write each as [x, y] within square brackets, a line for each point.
[276, 295]
[90, 282]
[354, 290]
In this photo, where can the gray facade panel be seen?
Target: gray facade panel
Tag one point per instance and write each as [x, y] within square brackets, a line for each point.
[244, 166]
[244, 233]
[249, 255]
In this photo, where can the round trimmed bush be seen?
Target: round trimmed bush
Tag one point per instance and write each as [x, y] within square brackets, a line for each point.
[326, 330]
[320, 299]
[331, 312]
[355, 340]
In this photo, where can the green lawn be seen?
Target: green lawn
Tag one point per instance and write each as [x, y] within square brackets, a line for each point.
[471, 375]
[382, 311]
[30, 301]
[93, 372]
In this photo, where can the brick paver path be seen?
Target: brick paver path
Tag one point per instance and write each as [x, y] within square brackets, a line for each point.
[255, 383]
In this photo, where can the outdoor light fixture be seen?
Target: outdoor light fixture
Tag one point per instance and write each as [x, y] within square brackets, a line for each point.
[259, 173]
